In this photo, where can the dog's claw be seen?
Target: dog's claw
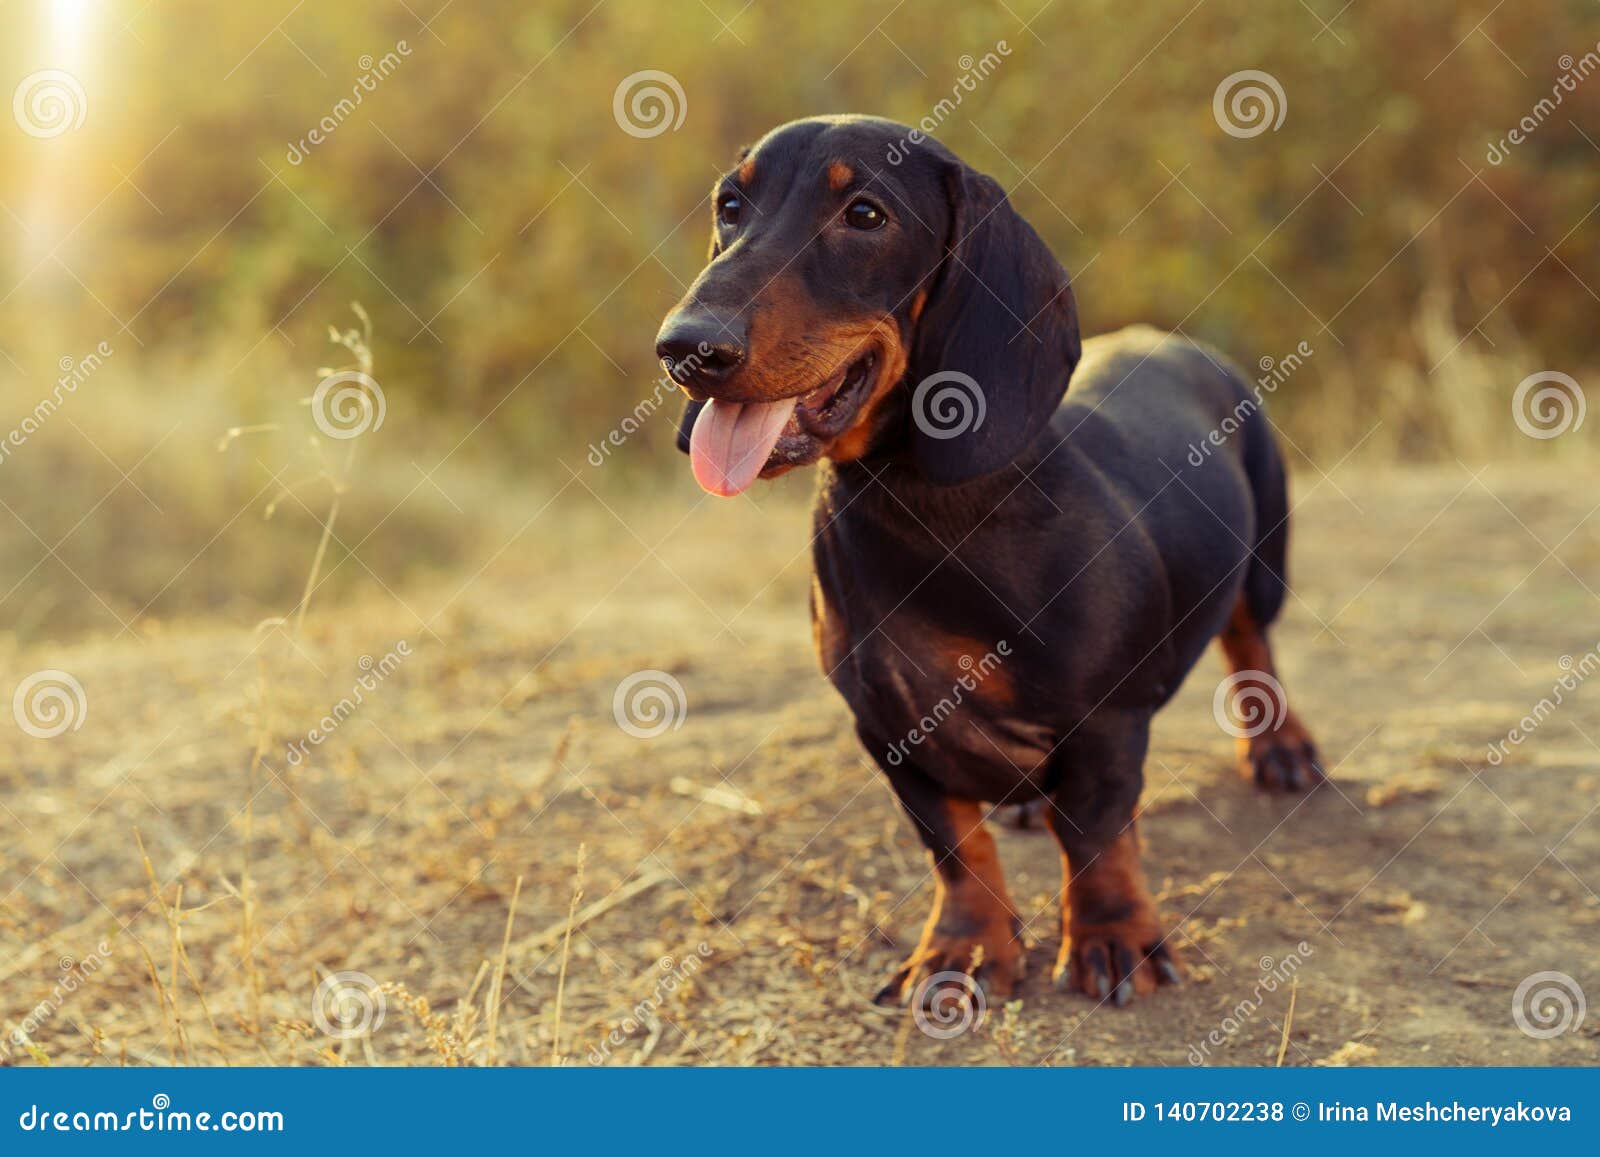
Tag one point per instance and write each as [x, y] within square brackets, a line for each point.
[1099, 972]
[1107, 962]
[893, 992]
[1123, 993]
[1167, 971]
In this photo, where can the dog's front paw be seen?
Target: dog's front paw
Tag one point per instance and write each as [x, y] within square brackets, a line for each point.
[1117, 959]
[992, 957]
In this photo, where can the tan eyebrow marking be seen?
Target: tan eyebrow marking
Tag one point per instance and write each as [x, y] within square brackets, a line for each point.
[839, 175]
[747, 170]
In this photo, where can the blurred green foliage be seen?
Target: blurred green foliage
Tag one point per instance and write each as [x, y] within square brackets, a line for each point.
[517, 249]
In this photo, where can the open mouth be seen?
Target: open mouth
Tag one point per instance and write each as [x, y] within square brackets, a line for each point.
[734, 443]
[829, 409]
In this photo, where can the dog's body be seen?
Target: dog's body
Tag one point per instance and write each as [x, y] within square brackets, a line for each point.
[1003, 605]
[1105, 575]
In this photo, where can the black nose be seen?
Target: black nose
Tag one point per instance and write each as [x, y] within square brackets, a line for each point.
[697, 346]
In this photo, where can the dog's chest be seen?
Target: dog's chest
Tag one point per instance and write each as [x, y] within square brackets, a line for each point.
[931, 690]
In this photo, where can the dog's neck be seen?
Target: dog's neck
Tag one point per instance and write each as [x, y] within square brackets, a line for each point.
[890, 489]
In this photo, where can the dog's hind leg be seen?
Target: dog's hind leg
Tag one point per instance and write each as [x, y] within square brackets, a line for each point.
[1275, 749]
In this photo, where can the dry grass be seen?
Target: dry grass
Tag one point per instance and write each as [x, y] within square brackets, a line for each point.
[431, 842]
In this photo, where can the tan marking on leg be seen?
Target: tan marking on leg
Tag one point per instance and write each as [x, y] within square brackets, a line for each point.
[1282, 754]
[1110, 929]
[973, 927]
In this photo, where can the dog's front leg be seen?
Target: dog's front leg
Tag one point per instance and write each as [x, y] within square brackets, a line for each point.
[973, 928]
[1113, 942]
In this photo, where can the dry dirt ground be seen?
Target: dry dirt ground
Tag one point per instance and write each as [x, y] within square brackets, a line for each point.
[742, 882]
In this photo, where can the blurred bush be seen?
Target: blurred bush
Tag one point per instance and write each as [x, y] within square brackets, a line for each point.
[517, 248]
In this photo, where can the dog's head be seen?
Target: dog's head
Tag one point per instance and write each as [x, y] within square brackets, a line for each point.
[867, 293]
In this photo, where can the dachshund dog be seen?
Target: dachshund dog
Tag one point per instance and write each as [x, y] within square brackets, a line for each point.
[1008, 585]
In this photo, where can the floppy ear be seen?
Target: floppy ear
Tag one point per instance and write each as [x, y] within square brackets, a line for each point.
[996, 343]
[691, 411]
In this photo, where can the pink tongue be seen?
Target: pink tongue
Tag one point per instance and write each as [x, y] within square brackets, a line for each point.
[731, 443]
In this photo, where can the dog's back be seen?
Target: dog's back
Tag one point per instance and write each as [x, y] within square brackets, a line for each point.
[1183, 434]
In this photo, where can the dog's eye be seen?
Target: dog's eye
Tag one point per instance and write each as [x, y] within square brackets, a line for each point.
[865, 215]
[728, 208]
